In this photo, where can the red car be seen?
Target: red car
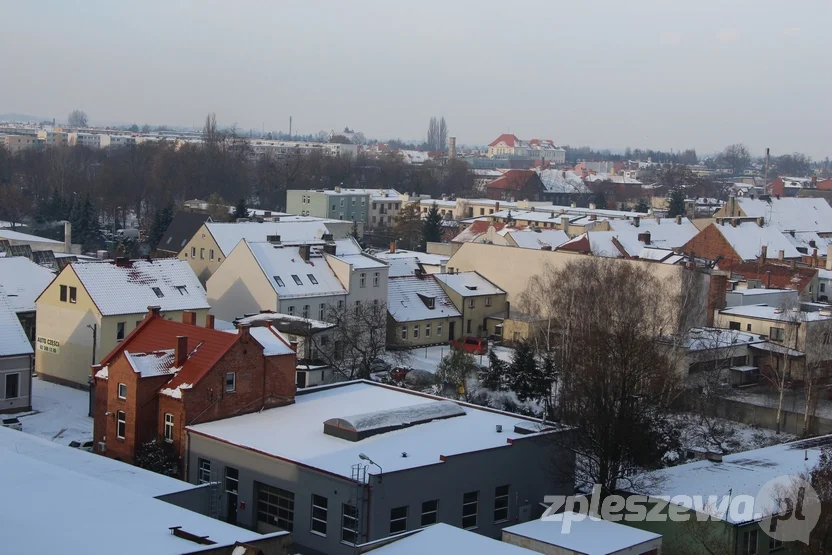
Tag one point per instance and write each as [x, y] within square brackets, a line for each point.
[473, 345]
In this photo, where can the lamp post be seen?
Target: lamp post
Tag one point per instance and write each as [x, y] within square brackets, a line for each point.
[364, 457]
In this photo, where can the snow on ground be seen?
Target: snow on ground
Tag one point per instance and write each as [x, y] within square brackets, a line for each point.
[59, 413]
[727, 436]
[427, 358]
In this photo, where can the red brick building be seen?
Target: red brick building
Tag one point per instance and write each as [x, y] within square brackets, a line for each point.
[167, 375]
[517, 185]
[734, 243]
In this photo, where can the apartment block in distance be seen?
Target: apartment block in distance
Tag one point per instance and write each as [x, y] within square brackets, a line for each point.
[338, 204]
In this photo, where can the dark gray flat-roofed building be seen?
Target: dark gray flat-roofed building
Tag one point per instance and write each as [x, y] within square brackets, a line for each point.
[359, 461]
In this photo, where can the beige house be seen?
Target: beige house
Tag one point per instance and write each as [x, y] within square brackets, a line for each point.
[420, 312]
[214, 241]
[481, 303]
[91, 306]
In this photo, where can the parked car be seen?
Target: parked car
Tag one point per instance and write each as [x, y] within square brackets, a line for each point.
[473, 345]
[399, 373]
[13, 423]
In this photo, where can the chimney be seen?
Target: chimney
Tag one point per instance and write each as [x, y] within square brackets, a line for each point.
[451, 148]
[644, 237]
[781, 254]
[189, 317]
[794, 264]
[329, 248]
[733, 222]
[829, 256]
[815, 259]
[572, 205]
[303, 250]
[497, 206]
[392, 247]
[716, 295]
[636, 221]
[273, 239]
[564, 223]
[293, 345]
[761, 221]
[508, 310]
[153, 311]
[209, 321]
[678, 220]
[592, 206]
[243, 329]
[67, 237]
[181, 352]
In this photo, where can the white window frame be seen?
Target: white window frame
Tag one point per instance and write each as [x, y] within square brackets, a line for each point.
[203, 471]
[434, 512]
[498, 518]
[375, 279]
[362, 280]
[233, 386]
[471, 303]
[488, 301]
[169, 423]
[439, 329]
[353, 518]
[475, 503]
[320, 520]
[121, 420]
[404, 333]
[120, 394]
[398, 520]
[427, 330]
[416, 331]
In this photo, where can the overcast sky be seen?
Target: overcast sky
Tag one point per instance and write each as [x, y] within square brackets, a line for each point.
[645, 73]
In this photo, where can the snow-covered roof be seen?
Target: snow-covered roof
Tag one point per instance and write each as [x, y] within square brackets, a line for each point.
[157, 363]
[13, 340]
[380, 420]
[703, 339]
[424, 258]
[402, 267]
[586, 535]
[469, 284]
[80, 462]
[360, 261]
[664, 232]
[227, 235]
[130, 288]
[580, 211]
[444, 539]
[296, 433]
[742, 473]
[790, 213]
[538, 238]
[23, 282]
[130, 522]
[375, 194]
[767, 312]
[612, 178]
[748, 239]
[558, 181]
[25, 237]
[809, 240]
[271, 340]
[438, 202]
[407, 296]
[282, 265]
[279, 321]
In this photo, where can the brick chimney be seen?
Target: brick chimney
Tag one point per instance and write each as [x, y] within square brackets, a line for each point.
[181, 352]
[67, 237]
[678, 220]
[392, 247]
[636, 221]
[189, 317]
[209, 321]
[153, 311]
[763, 253]
[644, 237]
[716, 295]
[829, 257]
[781, 254]
[303, 251]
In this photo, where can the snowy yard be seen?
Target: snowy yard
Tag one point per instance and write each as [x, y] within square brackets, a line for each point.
[719, 434]
[59, 413]
[427, 358]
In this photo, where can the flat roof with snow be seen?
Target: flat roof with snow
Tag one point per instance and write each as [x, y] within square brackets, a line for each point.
[469, 284]
[767, 312]
[443, 539]
[297, 432]
[587, 535]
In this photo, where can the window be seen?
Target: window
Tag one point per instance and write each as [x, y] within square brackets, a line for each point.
[119, 331]
[169, 427]
[404, 332]
[319, 511]
[749, 543]
[312, 279]
[211, 254]
[202, 253]
[374, 206]
[12, 385]
[122, 391]
[291, 310]
[121, 424]
[488, 301]
[279, 281]
[468, 326]
[822, 287]
[276, 506]
[777, 334]
[748, 327]
[471, 303]
[183, 289]
[375, 279]
[340, 303]
[501, 504]
[193, 252]
[469, 510]
[231, 382]
[349, 524]
[158, 292]
[73, 295]
[438, 329]
[733, 325]
[203, 471]
[297, 279]
[429, 512]
[398, 520]
[427, 330]
[306, 311]
[774, 544]
[63, 293]
[363, 280]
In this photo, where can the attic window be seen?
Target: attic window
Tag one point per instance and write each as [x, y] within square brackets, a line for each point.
[312, 279]
[471, 287]
[158, 292]
[279, 281]
[183, 290]
[297, 279]
[430, 302]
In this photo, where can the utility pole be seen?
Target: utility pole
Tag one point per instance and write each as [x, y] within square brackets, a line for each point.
[765, 178]
[290, 128]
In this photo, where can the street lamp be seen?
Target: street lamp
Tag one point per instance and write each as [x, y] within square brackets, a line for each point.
[364, 457]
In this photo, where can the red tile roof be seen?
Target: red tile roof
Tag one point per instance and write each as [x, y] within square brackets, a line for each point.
[507, 138]
[779, 276]
[206, 346]
[579, 244]
[514, 180]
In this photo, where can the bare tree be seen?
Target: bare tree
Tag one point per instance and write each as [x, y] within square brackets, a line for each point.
[433, 134]
[818, 351]
[778, 372]
[442, 143]
[77, 118]
[735, 157]
[615, 381]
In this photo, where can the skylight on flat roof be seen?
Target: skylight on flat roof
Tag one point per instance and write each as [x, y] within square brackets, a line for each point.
[360, 426]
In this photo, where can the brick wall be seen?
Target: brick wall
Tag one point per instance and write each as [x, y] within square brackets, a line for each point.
[709, 243]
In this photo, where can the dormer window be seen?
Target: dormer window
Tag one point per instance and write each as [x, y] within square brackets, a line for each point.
[430, 302]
